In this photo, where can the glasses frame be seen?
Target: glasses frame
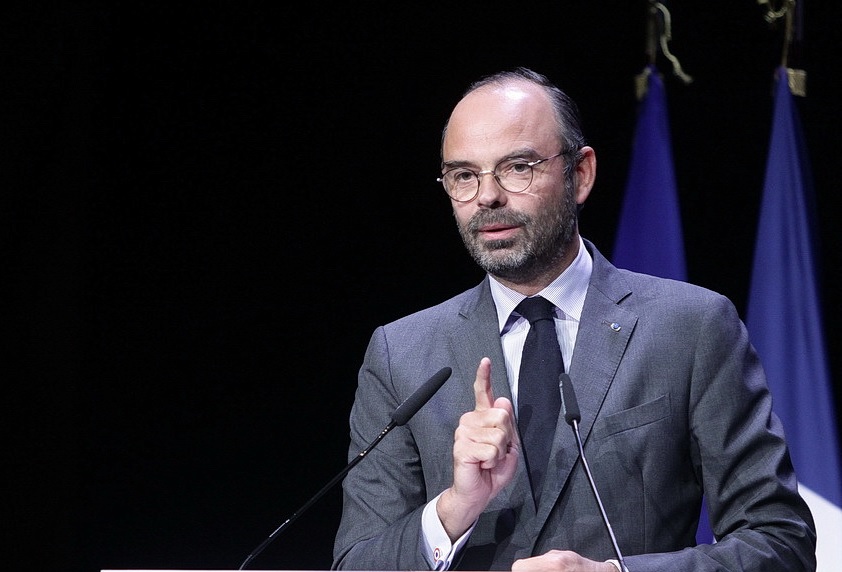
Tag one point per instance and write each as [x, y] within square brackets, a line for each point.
[479, 174]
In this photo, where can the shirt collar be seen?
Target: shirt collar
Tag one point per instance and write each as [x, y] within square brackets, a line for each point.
[567, 291]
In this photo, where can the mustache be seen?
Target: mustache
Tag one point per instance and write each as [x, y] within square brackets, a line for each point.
[506, 217]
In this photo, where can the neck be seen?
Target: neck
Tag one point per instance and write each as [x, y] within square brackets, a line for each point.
[533, 282]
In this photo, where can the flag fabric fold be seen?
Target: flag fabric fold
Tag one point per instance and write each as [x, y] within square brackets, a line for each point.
[649, 238]
[784, 319]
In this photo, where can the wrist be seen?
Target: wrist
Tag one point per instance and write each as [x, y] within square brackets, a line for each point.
[455, 516]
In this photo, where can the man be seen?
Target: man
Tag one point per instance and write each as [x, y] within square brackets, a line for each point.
[674, 403]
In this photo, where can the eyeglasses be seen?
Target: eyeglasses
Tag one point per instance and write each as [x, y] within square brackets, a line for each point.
[513, 175]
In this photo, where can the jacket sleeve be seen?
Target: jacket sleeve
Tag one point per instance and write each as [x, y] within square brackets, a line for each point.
[758, 518]
[384, 495]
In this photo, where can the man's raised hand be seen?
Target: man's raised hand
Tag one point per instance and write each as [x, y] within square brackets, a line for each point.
[486, 449]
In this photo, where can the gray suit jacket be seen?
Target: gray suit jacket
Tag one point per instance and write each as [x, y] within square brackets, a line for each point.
[674, 406]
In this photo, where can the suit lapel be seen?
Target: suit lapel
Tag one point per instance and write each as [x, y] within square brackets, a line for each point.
[476, 337]
[604, 332]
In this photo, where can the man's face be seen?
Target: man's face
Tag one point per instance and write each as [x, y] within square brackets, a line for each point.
[513, 236]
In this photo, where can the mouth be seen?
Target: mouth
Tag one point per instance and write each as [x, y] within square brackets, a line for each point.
[497, 231]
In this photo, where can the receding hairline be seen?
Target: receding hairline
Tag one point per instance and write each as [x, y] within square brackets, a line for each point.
[565, 111]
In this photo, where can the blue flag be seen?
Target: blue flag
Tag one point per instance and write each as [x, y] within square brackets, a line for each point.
[784, 319]
[649, 237]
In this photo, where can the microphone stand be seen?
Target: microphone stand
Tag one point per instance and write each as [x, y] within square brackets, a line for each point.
[572, 416]
[317, 496]
[575, 425]
[400, 416]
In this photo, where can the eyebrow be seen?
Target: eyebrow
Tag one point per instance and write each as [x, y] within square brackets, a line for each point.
[521, 153]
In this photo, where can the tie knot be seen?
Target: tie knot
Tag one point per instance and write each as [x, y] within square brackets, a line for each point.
[536, 308]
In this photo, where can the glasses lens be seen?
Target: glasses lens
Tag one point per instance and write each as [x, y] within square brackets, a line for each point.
[514, 176]
[461, 184]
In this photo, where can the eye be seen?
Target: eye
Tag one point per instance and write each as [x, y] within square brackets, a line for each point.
[461, 176]
[514, 167]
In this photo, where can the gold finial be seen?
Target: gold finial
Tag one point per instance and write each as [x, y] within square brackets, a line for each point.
[796, 78]
[658, 34]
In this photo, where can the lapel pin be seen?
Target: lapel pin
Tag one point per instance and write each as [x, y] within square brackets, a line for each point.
[616, 327]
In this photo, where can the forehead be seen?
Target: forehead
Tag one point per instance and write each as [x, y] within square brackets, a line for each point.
[495, 119]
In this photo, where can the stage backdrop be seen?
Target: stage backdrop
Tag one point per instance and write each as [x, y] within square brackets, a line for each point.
[193, 189]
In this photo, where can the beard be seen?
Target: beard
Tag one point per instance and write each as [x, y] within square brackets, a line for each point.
[544, 240]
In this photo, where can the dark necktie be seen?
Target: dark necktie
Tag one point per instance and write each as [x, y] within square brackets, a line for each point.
[538, 394]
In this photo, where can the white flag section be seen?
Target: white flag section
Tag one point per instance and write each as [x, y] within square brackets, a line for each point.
[828, 518]
[784, 319]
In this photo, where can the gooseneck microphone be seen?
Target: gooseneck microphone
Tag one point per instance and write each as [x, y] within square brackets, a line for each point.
[401, 415]
[570, 407]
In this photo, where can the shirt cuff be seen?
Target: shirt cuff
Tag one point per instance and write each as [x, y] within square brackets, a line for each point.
[440, 552]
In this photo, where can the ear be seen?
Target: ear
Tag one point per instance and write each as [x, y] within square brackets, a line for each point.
[584, 174]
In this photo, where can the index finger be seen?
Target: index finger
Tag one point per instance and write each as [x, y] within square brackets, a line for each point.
[482, 386]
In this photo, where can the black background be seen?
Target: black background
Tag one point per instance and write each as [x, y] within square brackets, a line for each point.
[194, 190]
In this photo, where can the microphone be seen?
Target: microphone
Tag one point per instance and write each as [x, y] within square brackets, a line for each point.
[400, 416]
[418, 398]
[570, 407]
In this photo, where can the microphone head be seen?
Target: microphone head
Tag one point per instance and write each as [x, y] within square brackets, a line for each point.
[420, 396]
[569, 404]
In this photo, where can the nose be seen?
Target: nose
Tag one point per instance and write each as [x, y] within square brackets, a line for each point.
[490, 193]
